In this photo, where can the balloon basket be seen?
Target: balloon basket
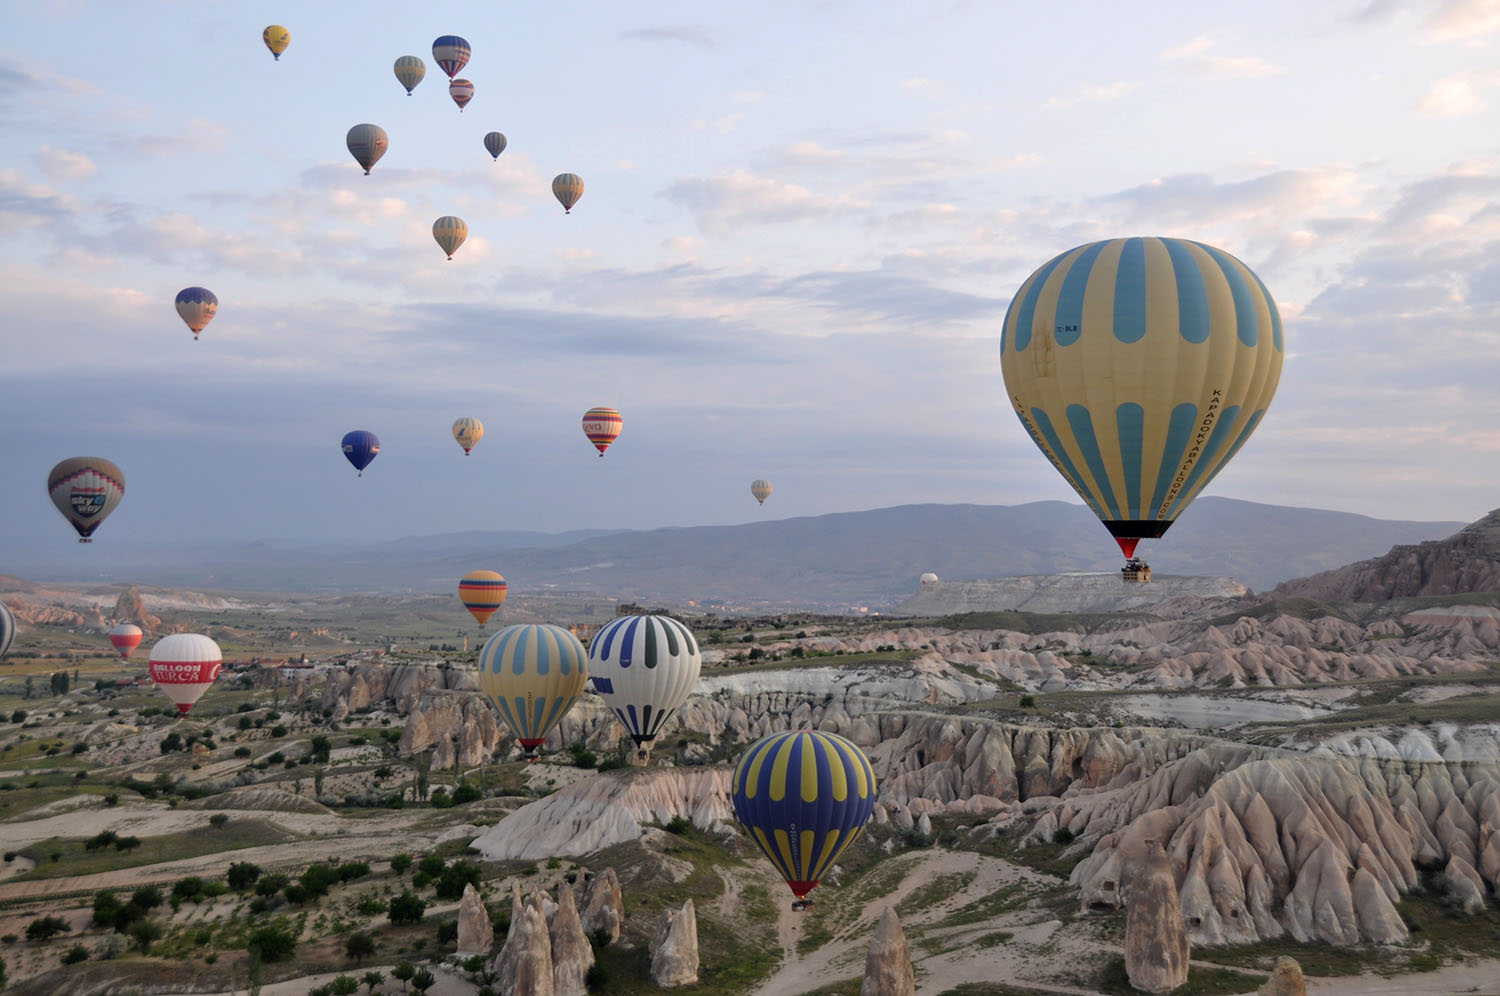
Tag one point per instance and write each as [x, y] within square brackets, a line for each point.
[800, 905]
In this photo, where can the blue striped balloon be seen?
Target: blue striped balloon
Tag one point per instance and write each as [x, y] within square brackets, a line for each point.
[533, 673]
[644, 667]
[452, 53]
[804, 796]
[360, 447]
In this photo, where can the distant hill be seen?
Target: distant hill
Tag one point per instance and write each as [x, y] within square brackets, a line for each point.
[1467, 561]
[870, 558]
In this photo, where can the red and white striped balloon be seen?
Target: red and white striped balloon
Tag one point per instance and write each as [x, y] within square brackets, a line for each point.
[125, 638]
[185, 665]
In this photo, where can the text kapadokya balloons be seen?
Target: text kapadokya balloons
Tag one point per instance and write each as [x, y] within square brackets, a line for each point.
[482, 592]
[645, 667]
[7, 629]
[197, 306]
[367, 143]
[462, 91]
[451, 53]
[804, 797]
[450, 232]
[533, 674]
[494, 144]
[360, 447]
[125, 638]
[85, 490]
[410, 71]
[184, 665]
[468, 432]
[761, 489]
[602, 426]
[277, 39]
[1139, 367]
[567, 188]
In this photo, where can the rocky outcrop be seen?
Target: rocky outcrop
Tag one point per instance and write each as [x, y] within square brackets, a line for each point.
[674, 949]
[603, 911]
[1072, 591]
[572, 957]
[524, 965]
[258, 797]
[607, 809]
[1286, 979]
[1156, 943]
[888, 970]
[475, 933]
[1467, 561]
[131, 608]
[458, 727]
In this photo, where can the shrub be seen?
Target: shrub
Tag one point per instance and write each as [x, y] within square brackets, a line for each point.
[147, 897]
[275, 941]
[144, 933]
[400, 862]
[102, 839]
[450, 884]
[76, 954]
[407, 908]
[218, 820]
[351, 870]
[45, 928]
[440, 799]
[432, 866]
[466, 793]
[447, 932]
[1062, 835]
[1028, 701]
[242, 875]
[358, 947]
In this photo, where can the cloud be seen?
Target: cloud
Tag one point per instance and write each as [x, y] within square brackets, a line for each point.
[723, 203]
[686, 34]
[31, 205]
[1462, 20]
[1457, 95]
[62, 164]
[1198, 55]
[1090, 94]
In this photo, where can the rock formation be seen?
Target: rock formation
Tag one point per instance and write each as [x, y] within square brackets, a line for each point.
[1285, 980]
[1469, 560]
[524, 965]
[888, 970]
[674, 949]
[572, 956]
[475, 933]
[1156, 943]
[603, 909]
[1073, 591]
[130, 608]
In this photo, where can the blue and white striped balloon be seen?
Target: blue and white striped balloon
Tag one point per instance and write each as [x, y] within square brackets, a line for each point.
[645, 667]
[7, 629]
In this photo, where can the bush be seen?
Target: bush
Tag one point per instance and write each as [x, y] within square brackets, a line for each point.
[450, 884]
[440, 799]
[188, 889]
[219, 821]
[147, 897]
[351, 870]
[275, 942]
[127, 844]
[144, 933]
[242, 752]
[447, 932]
[45, 928]
[407, 908]
[679, 825]
[466, 793]
[242, 875]
[369, 904]
[1062, 835]
[102, 839]
[76, 954]
[1028, 701]
[358, 947]
[400, 862]
[432, 866]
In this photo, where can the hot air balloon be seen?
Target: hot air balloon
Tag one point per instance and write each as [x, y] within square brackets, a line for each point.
[928, 580]
[533, 674]
[645, 667]
[483, 592]
[803, 796]
[468, 431]
[125, 638]
[567, 188]
[367, 143]
[494, 144]
[462, 91]
[761, 489]
[452, 53]
[450, 233]
[197, 306]
[7, 629]
[1139, 367]
[602, 426]
[360, 447]
[277, 39]
[410, 71]
[184, 665]
[85, 490]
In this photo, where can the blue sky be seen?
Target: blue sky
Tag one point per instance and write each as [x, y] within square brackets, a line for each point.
[802, 225]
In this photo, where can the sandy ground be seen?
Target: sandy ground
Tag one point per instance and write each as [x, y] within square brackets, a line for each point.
[448, 984]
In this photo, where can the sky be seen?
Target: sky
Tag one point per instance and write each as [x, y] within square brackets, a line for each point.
[802, 225]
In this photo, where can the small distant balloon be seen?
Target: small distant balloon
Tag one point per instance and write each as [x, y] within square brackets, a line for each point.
[450, 233]
[928, 580]
[360, 447]
[452, 53]
[184, 665]
[367, 143]
[602, 426]
[125, 638]
[410, 71]
[7, 629]
[761, 489]
[277, 39]
[567, 188]
[462, 91]
[85, 490]
[197, 306]
[482, 592]
[494, 144]
[468, 432]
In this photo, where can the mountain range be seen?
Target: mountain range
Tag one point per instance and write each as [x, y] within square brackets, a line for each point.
[868, 558]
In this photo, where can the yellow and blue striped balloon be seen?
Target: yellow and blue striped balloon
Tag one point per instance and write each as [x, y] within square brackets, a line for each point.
[450, 233]
[410, 71]
[468, 431]
[567, 188]
[482, 592]
[277, 39]
[804, 796]
[533, 674]
[1139, 367]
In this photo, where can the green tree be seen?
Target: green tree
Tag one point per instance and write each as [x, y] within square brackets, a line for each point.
[407, 908]
[219, 821]
[403, 972]
[372, 980]
[318, 784]
[76, 954]
[242, 875]
[45, 928]
[450, 884]
[106, 908]
[322, 749]
[423, 981]
[344, 985]
[358, 947]
[274, 942]
[171, 742]
[144, 933]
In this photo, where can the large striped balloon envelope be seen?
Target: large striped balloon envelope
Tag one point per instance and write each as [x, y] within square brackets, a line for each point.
[602, 426]
[644, 667]
[185, 665]
[125, 638]
[483, 592]
[804, 796]
[533, 674]
[85, 490]
[1139, 367]
[7, 629]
